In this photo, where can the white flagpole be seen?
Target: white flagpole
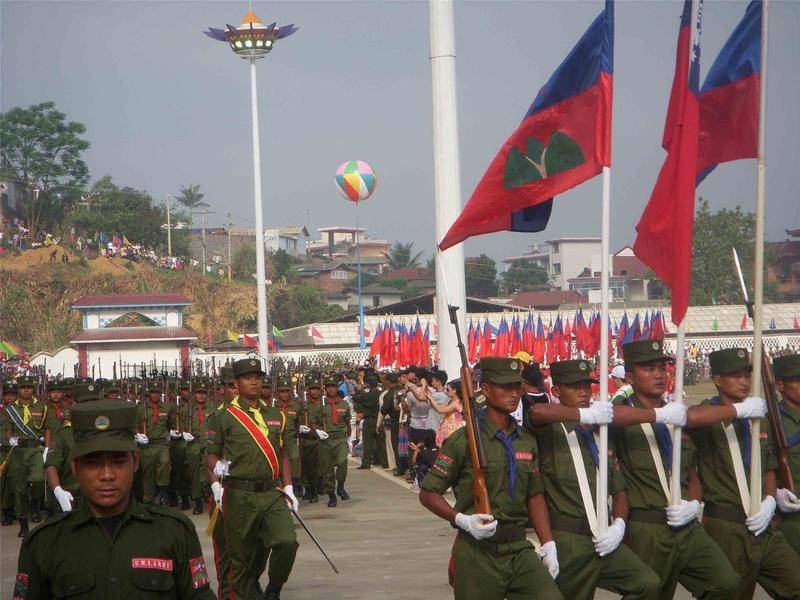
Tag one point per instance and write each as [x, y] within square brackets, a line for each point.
[602, 463]
[758, 292]
[675, 475]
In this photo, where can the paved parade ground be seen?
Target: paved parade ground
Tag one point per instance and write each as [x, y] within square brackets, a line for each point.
[385, 544]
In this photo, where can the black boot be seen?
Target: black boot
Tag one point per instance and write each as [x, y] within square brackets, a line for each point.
[273, 592]
[162, 496]
[314, 496]
[307, 493]
[36, 515]
[342, 493]
[172, 497]
[332, 500]
[8, 517]
[198, 507]
[23, 528]
[185, 503]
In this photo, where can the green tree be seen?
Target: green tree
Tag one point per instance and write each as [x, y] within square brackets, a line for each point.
[191, 198]
[294, 305]
[480, 274]
[400, 257]
[524, 276]
[714, 279]
[41, 151]
[281, 262]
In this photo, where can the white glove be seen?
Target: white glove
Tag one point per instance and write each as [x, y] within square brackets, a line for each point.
[679, 515]
[221, 468]
[759, 522]
[606, 543]
[188, 437]
[599, 413]
[13, 441]
[44, 455]
[217, 491]
[672, 413]
[550, 558]
[751, 408]
[174, 434]
[64, 498]
[142, 439]
[478, 526]
[323, 435]
[305, 429]
[787, 501]
[291, 500]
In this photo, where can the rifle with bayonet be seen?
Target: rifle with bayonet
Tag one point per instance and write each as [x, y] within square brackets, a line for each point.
[770, 395]
[477, 453]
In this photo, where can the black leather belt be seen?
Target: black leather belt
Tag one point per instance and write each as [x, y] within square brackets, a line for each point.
[726, 512]
[505, 535]
[570, 524]
[648, 515]
[251, 485]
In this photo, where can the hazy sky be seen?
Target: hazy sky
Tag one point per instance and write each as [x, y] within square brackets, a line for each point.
[166, 106]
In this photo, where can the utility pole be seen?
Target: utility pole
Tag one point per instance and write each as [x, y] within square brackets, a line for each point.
[169, 229]
[203, 234]
[230, 224]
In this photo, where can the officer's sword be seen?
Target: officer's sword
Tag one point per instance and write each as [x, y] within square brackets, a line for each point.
[311, 535]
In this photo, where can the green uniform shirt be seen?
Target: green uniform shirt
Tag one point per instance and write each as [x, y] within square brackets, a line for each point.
[790, 417]
[60, 455]
[55, 416]
[226, 436]
[342, 408]
[714, 463]
[154, 552]
[391, 401]
[196, 422]
[314, 417]
[452, 468]
[368, 403]
[36, 422]
[155, 421]
[292, 412]
[558, 472]
[636, 459]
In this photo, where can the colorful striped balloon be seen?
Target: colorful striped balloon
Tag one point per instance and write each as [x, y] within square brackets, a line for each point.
[356, 180]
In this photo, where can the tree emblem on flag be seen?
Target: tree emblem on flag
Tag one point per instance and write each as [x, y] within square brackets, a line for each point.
[539, 161]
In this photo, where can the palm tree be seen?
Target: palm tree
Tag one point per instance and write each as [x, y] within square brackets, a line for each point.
[191, 197]
[399, 256]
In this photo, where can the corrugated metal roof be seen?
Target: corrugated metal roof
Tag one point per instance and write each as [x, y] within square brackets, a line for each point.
[132, 334]
[132, 300]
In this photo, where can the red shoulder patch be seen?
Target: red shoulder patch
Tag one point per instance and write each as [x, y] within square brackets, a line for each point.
[21, 586]
[197, 567]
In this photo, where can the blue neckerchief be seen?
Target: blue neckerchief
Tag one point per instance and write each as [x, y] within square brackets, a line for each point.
[795, 439]
[588, 435]
[508, 442]
[745, 425]
[663, 438]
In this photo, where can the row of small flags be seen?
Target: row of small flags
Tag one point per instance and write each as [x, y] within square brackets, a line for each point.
[395, 343]
[743, 326]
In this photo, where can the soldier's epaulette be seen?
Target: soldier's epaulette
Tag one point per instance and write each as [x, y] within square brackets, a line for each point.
[165, 511]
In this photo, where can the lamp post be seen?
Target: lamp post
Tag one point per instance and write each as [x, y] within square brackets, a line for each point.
[253, 40]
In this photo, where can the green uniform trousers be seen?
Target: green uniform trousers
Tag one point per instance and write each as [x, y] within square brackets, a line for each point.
[767, 559]
[333, 464]
[194, 458]
[155, 466]
[179, 476]
[6, 491]
[687, 556]
[26, 473]
[369, 437]
[222, 560]
[790, 528]
[582, 571]
[487, 571]
[257, 522]
[309, 457]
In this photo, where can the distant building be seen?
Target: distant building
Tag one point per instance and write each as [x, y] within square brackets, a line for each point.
[339, 243]
[292, 239]
[11, 197]
[423, 280]
[373, 296]
[783, 265]
[627, 282]
[563, 258]
[547, 300]
[329, 277]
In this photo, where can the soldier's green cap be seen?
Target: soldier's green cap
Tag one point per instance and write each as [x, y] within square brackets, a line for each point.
[571, 371]
[501, 370]
[184, 384]
[331, 380]
[53, 385]
[103, 426]
[266, 381]
[391, 376]
[315, 381]
[371, 380]
[113, 385]
[786, 367]
[644, 351]
[283, 382]
[67, 383]
[226, 374]
[10, 387]
[247, 366]
[153, 386]
[84, 392]
[199, 386]
[101, 381]
[26, 381]
[84, 380]
[729, 360]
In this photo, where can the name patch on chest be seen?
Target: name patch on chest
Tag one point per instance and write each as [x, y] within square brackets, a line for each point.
[523, 455]
[161, 564]
[274, 423]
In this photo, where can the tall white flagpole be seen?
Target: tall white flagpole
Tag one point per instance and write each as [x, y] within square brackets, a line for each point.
[675, 472]
[602, 463]
[758, 292]
[447, 186]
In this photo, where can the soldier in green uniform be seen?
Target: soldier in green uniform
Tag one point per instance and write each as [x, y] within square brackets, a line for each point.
[113, 390]
[390, 409]
[288, 407]
[333, 445]
[668, 538]
[156, 420]
[367, 402]
[6, 490]
[492, 558]
[569, 458]
[178, 488]
[194, 426]
[309, 420]
[253, 437]
[720, 429]
[787, 380]
[25, 432]
[111, 546]
[55, 410]
[266, 391]
[58, 464]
